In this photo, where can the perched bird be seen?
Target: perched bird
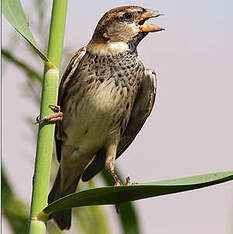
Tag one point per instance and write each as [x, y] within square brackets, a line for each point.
[105, 95]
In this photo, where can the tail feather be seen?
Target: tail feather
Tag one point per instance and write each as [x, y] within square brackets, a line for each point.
[63, 217]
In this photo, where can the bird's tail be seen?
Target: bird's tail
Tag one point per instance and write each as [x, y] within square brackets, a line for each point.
[63, 217]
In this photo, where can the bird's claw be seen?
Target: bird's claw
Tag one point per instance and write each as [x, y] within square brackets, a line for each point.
[57, 116]
[127, 181]
[55, 108]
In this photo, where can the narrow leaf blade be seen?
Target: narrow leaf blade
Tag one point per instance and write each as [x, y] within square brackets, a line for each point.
[120, 194]
[14, 13]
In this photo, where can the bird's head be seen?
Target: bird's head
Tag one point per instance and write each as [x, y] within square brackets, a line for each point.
[122, 27]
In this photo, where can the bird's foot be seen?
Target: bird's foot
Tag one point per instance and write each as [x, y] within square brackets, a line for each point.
[127, 181]
[57, 116]
[118, 183]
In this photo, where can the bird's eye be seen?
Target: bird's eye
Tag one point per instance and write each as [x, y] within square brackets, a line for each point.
[127, 15]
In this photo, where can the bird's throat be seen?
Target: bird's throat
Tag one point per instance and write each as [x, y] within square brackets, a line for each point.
[107, 48]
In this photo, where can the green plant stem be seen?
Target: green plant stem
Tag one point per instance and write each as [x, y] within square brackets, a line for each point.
[37, 226]
[57, 29]
[46, 131]
[44, 144]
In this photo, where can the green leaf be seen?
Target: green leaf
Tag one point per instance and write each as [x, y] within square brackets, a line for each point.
[116, 195]
[14, 13]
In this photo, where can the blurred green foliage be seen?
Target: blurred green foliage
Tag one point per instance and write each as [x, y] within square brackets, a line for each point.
[14, 210]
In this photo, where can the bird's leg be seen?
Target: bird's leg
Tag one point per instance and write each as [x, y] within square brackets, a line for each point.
[117, 183]
[109, 165]
[115, 177]
[110, 161]
[57, 116]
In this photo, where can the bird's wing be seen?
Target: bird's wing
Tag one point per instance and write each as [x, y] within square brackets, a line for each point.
[67, 76]
[141, 110]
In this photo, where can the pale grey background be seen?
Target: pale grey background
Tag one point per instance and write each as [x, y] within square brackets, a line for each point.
[190, 131]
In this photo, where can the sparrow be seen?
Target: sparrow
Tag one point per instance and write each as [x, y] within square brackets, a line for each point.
[105, 97]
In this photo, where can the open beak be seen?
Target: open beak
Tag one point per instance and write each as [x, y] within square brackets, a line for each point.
[149, 27]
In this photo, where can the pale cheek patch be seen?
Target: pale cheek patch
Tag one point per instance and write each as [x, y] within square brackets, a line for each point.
[135, 29]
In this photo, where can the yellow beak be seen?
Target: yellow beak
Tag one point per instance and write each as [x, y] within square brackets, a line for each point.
[149, 27]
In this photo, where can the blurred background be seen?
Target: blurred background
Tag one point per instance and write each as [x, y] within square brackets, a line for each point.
[190, 130]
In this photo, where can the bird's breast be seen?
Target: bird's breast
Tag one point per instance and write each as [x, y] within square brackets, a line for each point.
[103, 101]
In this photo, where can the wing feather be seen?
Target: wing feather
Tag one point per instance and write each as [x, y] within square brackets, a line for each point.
[67, 76]
[142, 108]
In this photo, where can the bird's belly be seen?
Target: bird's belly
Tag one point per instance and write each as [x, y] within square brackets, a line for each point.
[94, 123]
